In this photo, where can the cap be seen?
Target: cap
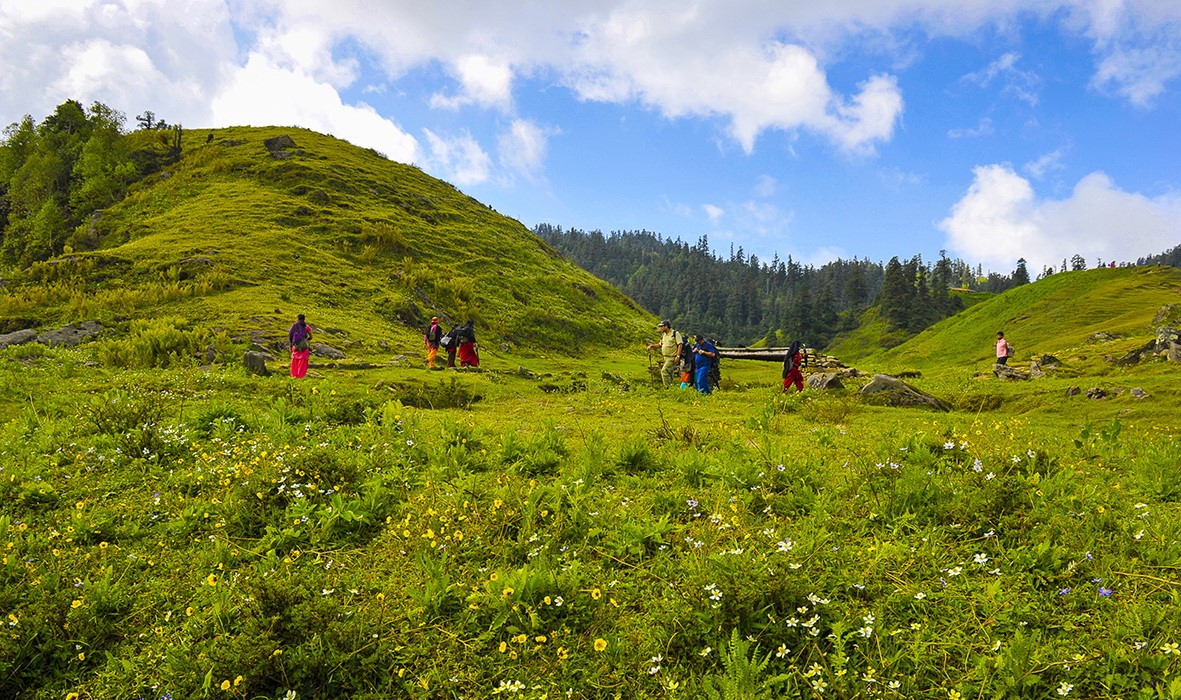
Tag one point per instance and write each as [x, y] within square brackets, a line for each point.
[664, 323]
[434, 319]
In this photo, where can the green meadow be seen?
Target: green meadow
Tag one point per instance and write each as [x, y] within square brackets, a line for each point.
[553, 524]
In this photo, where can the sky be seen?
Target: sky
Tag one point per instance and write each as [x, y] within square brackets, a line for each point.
[991, 130]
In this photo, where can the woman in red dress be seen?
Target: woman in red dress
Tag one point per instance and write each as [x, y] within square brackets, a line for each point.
[792, 361]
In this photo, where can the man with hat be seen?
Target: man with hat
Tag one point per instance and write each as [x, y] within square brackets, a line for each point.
[670, 350]
[430, 341]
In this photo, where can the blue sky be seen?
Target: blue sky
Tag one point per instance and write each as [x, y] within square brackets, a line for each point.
[991, 129]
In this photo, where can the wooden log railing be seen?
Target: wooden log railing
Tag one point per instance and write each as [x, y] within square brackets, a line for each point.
[767, 354]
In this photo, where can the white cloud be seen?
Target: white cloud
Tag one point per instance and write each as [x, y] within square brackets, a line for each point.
[523, 147]
[458, 158]
[1014, 81]
[713, 212]
[262, 94]
[1001, 219]
[982, 128]
[1044, 165]
[485, 82]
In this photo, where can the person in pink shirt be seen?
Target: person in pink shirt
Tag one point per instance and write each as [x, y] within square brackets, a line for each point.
[1003, 350]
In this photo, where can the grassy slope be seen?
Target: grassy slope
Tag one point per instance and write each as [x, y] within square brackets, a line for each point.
[357, 242]
[1056, 315]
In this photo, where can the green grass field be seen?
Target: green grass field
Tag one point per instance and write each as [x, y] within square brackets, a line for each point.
[553, 524]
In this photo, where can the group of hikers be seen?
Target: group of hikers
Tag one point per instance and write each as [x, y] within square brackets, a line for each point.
[696, 361]
[459, 340]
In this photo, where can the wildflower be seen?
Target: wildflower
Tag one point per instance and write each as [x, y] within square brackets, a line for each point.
[705, 652]
[920, 595]
[211, 579]
[1170, 648]
[1063, 591]
[782, 651]
[77, 603]
[819, 685]
[225, 685]
[954, 695]
[600, 644]
[72, 696]
[596, 593]
[1105, 592]
[1065, 688]
[503, 647]
[866, 631]
[980, 558]
[955, 571]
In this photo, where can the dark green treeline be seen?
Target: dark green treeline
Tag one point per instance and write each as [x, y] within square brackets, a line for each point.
[743, 299]
[57, 175]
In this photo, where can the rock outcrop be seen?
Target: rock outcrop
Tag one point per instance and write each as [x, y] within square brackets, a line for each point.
[886, 390]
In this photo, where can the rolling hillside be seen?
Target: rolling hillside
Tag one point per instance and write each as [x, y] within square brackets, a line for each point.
[254, 225]
[1059, 315]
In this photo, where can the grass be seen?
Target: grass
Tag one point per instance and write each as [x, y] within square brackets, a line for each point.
[206, 533]
[553, 524]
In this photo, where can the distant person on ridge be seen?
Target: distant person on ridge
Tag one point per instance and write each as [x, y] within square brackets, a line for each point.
[469, 356]
[704, 353]
[431, 341]
[793, 360]
[1003, 350]
[299, 336]
[670, 349]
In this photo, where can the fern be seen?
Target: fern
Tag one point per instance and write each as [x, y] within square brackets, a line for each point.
[743, 671]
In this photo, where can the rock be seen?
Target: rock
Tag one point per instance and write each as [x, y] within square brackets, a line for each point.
[1174, 352]
[72, 335]
[1140, 393]
[887, 390]
[1169, 313]
[319, 197]
[825, 380]
[383, 345]
[1096, 393]
[23, 337]
[279, 143]
[256, 363]
[1007, 372]
[1101, 337]
[1166, 336]
[328, 351]
[1073, 391]
[1047, 360]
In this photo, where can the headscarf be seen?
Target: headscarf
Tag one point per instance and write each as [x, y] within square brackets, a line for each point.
[789, 358]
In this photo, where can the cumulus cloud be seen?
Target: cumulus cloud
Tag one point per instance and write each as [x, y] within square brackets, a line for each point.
[713, 212]
[483, 81]
[261, 94]
[523, 147]
[1001, 219]
[459, 159]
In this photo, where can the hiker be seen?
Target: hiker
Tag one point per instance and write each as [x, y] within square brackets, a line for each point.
[450, 343]
[704, 354]
[431, 341]
[793, 360]
[299, 336]
[670, 349]
[469, 355]
[1003, 350]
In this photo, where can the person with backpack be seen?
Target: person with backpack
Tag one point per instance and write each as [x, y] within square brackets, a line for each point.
[1003, 350]
[431, 341]
[670, 349]
[300, 336]
[705, 353]
[793, 362]
[469, 356]
[450, 343]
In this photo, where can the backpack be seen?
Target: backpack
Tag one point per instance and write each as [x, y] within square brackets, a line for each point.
[300, 336]
[715, 365]
[1009, 351]
[686, 352]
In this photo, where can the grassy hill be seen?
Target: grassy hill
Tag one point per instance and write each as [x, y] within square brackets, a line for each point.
[1059, 315]
[240, 237]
